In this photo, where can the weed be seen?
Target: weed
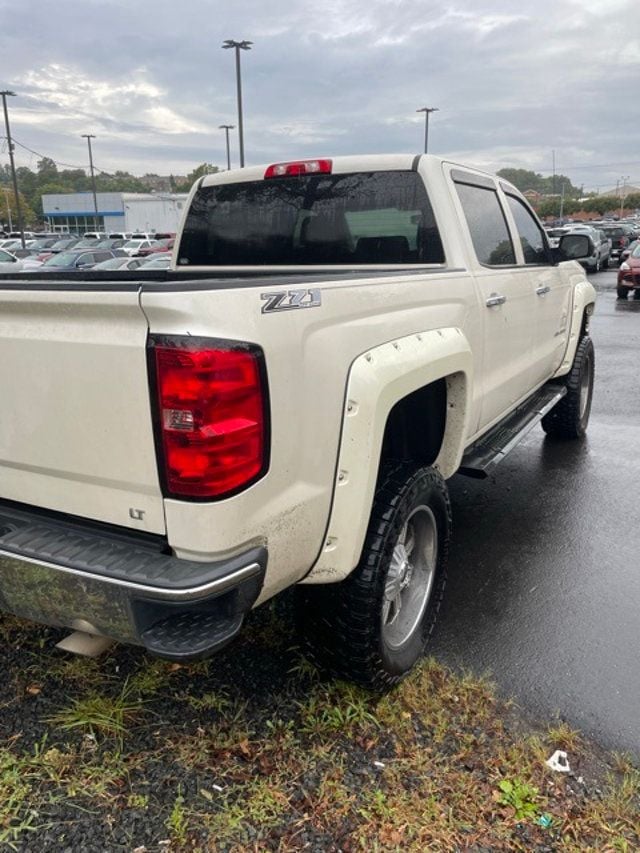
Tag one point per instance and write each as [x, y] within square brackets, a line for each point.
[138, 801]
[104, 714]
[151, 676]
[177, 822]
[259, 805]
[340, 708]
[562, 736]
[219, 702]
[303, 668]
[520, 796]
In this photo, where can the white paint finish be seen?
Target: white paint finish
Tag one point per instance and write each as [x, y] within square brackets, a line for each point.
[378, 379]
[584, 295]
[308, 356]
[75, 426]
[79, 438]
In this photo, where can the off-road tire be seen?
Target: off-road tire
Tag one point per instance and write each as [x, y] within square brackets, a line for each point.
[570, 417]
[342, 624]
[622, 292]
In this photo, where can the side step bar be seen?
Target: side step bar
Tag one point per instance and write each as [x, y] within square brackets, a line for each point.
[483, 456]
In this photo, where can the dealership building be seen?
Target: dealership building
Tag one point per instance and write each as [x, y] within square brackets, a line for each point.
[75, 212]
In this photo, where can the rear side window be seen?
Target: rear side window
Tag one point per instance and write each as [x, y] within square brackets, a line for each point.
[534, 245]
[353, 219]
[487, 225]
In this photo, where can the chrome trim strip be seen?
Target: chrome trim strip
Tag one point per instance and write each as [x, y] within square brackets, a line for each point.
[189, 594]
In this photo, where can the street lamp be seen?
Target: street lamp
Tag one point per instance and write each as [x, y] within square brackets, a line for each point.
[624, 180]
[238, 46]
[89, 137]
[7, 94]
[227, 128]
[427, 111]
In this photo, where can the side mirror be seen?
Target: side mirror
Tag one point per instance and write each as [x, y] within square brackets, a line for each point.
[574, 247]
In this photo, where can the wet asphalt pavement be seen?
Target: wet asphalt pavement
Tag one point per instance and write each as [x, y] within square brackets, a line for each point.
[544, 582]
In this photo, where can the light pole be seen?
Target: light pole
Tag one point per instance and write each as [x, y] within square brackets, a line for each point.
[238, 46]
[227, 128]
[624, 180]
[89, 137]
[7, 94]
[427, 111]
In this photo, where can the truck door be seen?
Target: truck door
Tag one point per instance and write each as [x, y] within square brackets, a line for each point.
[552, 310]
[507, 299]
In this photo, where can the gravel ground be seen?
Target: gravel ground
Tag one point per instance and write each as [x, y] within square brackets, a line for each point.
[253, 750]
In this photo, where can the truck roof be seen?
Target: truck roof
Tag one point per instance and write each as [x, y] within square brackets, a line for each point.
[340, 165]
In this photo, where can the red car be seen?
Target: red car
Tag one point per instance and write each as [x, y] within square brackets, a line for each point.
[165, 245]
[629, 275]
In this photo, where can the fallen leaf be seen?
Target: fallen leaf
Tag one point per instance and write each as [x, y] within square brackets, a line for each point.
[34, 689]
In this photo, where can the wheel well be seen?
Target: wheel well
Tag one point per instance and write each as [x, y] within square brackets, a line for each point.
[416, 425]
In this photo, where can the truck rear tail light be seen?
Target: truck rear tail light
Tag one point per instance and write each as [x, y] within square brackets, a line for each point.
[299, 167]
[211, 415]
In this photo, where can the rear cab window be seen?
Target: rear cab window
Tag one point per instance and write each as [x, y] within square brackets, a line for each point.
[361, 218]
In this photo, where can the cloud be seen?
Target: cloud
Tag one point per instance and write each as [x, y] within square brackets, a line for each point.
[341, 77]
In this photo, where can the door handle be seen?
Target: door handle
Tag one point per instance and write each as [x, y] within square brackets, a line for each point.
[543, 289]
[496, 299]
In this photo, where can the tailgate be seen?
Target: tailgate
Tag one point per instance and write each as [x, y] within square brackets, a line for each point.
[75, 421]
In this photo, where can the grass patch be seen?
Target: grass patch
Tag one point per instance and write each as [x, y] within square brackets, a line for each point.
[101, 714]
[126, 751]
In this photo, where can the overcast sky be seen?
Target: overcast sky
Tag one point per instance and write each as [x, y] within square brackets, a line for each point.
[512, 80]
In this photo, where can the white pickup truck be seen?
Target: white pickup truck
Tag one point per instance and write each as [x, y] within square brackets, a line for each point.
[336, 339]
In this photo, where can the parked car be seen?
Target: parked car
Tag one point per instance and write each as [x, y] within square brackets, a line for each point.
[629, 275]
[158, 247]
[601, 247]
[9, 262]
[125, 263]
[133, 247]
[120, 235]
[94, 235]
[554, 235]
[111, 243]
[620, 239]
[624, 254]
[158, 263]
[77, 259]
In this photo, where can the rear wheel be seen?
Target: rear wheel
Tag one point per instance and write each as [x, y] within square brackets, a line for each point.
[372, 628]
[570, 417]
[623, 292]
[605, 264]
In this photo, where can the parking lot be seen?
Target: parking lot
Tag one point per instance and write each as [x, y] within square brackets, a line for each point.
[544, 581]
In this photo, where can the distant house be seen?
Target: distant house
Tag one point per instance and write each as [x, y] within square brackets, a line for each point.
[621, 190]
[532, 195]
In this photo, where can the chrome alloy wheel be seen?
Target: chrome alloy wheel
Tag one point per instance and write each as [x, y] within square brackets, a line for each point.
[410, 577]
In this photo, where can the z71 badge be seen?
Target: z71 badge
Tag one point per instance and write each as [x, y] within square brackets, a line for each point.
[287, 300]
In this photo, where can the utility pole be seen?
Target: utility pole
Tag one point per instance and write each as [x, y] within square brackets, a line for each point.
[427, 111]
[89, 137]
[561, 202]
[238, 46]
[7, 94]
[8, 207]
[553, 160]
[227, 128]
